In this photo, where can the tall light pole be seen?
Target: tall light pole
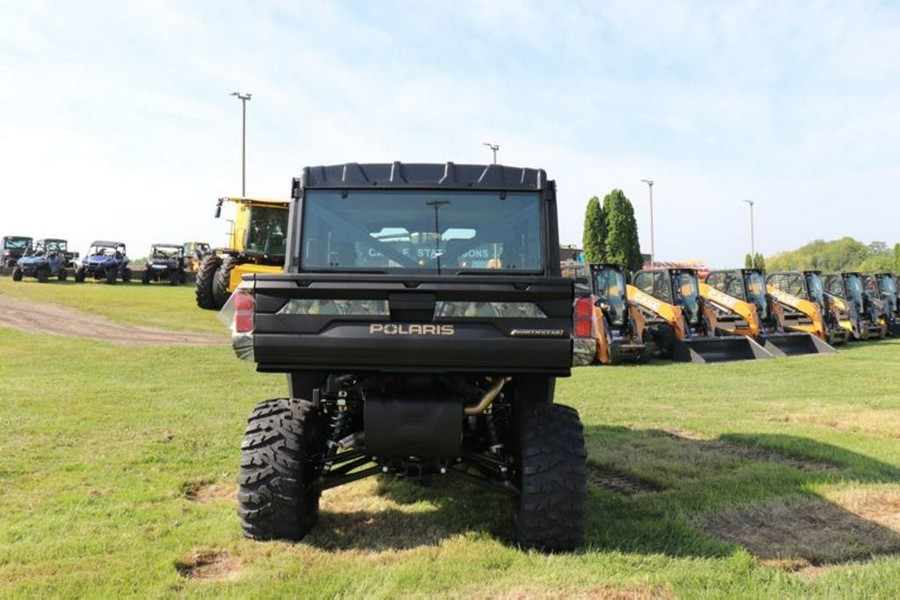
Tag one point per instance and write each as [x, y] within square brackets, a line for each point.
[752, 243]
[493, 147]
[243, 98]
[649, 183]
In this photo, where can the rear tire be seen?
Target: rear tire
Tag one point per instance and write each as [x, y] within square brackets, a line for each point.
[42, 275]
[79, 275]
[273, 500]
[126, 275]
[173, 278]
[145, 277]
[17, 274]
[552, 476]
[62, 275]
[110, 276]
[222, 280]
[204, 282]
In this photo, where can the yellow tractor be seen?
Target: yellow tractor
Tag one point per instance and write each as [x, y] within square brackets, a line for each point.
[256, 244]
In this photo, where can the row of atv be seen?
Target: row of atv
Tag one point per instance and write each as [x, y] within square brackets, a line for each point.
[732, 314]
[105, 261]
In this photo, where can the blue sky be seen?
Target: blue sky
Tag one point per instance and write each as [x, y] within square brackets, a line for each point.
[115, 118]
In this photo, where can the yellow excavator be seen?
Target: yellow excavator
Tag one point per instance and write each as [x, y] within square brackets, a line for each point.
[744, 306]
[619, 323]
[681, 324]
[256, 244]
[864, 320]
[800, 293]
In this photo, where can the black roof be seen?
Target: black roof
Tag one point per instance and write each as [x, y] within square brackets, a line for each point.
[420, 176]
[165, 244]
[104, 243]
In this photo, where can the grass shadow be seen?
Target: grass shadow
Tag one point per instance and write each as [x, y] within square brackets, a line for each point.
[410, 514]
[686, 496]
[651, 492]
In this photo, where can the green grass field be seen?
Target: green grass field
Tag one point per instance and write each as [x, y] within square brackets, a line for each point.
[775, 478]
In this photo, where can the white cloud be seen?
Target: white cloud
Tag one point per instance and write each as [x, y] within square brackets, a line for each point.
[120, 124]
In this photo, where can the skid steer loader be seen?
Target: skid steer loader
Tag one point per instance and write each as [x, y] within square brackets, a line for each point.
[681, 324]
[885, 288]
[256, 244]
[620, 324]
[809, 287]
[848, 288]
[743, 306]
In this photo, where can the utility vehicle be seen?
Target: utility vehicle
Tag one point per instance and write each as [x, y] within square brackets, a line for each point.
[43, 260]
[165, 263]
[14, 247]
[422, 322]
[106, 261]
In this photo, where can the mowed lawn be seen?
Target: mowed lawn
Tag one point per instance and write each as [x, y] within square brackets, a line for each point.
[776, 478]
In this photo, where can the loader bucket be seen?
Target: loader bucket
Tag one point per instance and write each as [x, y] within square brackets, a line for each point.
[792, 344]
[719, 349]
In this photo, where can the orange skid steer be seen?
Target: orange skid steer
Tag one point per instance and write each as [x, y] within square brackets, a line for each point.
[744, 306]
[681, 323]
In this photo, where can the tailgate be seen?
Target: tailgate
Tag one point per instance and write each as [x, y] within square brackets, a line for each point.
[430, 323]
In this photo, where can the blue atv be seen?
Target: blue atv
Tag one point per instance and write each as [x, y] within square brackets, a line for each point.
[105, 260]
[45, 259]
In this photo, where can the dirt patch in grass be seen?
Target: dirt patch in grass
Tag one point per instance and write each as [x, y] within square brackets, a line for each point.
[878, 422]
[34, 317]
[798, 532]
[618, 481]
[210, 565]
[744, 452]
[205, 493]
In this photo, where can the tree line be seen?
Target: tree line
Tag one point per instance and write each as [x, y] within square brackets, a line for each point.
[610, 232]
[845, 254]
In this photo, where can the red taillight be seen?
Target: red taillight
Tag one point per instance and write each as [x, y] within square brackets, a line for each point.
[584, 318]
[244, 306]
